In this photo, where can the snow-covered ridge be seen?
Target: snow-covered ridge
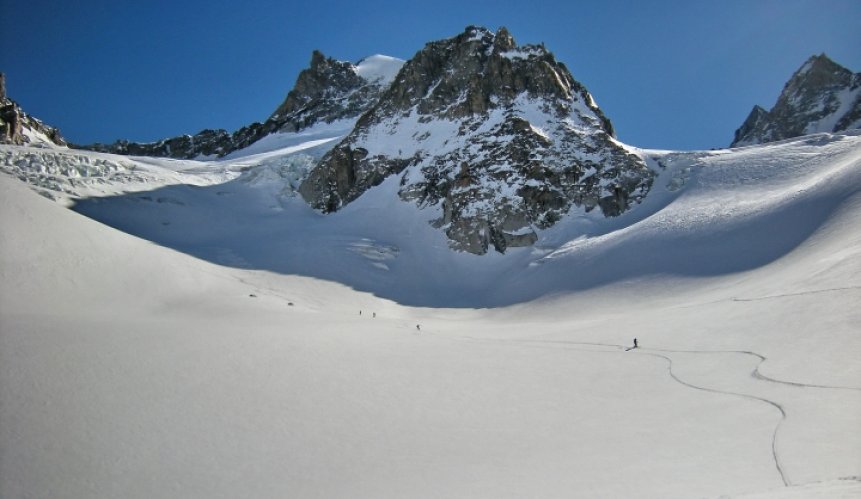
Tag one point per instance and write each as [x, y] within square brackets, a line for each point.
[379, 69]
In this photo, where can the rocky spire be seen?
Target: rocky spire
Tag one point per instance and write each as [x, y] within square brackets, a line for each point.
[821, 96]
[323, 79]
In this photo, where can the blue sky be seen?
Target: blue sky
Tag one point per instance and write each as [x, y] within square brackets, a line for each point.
[669, 74]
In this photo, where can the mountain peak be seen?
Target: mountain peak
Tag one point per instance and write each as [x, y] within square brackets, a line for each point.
[317, 59]
[818, 72]
[816, 63]
[821, 96]
[323, 78]
[499, 138]
[503, 40]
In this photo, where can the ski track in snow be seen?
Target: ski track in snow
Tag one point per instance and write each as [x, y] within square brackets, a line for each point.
[621, 349]
[675, 377]
[800, 293]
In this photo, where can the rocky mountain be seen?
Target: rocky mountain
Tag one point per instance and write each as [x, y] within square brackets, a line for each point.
[327, 91]
[822, 96]
[499, 137]
[19, 128]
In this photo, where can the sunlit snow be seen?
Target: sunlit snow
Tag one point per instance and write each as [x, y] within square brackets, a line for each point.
[310, 356]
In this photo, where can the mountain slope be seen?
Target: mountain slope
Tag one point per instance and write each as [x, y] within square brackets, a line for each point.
[708, 214]
[821, 96]
[499, 138]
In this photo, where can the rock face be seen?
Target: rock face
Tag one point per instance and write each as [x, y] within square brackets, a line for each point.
[330, 90]
[19, 128]
[822, 96]
[501, 137]
[327, 91]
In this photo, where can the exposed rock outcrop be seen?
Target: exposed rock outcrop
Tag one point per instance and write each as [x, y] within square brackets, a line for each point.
[822, 96]
[19, 128]
[499, 136]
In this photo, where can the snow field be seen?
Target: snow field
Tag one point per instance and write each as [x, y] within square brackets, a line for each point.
[129, 369]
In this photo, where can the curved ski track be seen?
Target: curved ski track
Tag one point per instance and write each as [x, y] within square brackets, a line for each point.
[658, 353]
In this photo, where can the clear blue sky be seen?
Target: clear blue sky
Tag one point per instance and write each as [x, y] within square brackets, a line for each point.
[669, 74]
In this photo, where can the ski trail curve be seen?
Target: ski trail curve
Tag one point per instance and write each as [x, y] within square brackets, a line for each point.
[800, 293]
[620, 349]
[780, 408]
[756, 372]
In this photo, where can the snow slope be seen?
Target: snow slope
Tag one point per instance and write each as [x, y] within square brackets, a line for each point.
[708, 214]
[128, 369]
[379, 69]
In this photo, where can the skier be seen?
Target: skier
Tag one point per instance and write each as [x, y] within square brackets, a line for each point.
[418, 328]
[635, 342]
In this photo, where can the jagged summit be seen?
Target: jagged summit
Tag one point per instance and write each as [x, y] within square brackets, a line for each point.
[499, 137]
[821, 96]
[485, 66]
[328, 90]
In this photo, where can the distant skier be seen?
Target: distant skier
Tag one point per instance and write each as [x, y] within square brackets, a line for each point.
[635, 343]
[418, 328]
[633, 347]
[375, 315]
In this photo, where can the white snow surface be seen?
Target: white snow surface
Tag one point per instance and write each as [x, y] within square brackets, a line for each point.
[38, 139]
[379, 69]
[129, 369]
